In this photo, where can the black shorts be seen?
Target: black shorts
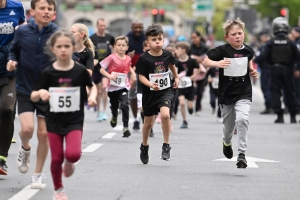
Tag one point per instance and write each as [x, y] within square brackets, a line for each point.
[26, 105]
[188, 93]
[154, 108]
[97, 76]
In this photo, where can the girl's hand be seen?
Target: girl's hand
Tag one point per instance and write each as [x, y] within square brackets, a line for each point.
[92, 102]
[254, 73]
[44, 95]
[223, 63]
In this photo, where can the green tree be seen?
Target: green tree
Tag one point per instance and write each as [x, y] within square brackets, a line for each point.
[271, 8]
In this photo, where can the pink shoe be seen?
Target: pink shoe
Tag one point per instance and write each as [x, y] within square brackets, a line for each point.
[60, 194]
[68, 169]
[158, 119]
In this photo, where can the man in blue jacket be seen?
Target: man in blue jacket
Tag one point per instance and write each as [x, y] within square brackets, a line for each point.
[11, 15]
[28, 57]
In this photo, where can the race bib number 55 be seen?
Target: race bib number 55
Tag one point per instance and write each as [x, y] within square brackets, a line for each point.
[162, 79]
[64, 99]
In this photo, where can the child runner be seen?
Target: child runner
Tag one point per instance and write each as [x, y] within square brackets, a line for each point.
[139, 94]
[63, 84]
[234, 61]
[186, 66]
[85, 51]
[152, 68]
[27, 55]
[116, 67]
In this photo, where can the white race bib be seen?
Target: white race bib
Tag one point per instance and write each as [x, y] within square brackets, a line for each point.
[64, 99]
[162, 79]
[237, 67]
[120, 80]
[185, 82]
[215, 82]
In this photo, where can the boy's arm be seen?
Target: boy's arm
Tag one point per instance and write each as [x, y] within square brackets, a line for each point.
[108, 75]
[220, 64]
[14, 52]
[40, 94]
[147, 83]
[253, 72]
[92, 97]
[172, 67]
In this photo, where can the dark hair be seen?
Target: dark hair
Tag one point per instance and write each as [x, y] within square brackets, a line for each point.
[100, 19]
[296, 28]
[197, 33]
[183, 45]
[154, 30]
[50, 2]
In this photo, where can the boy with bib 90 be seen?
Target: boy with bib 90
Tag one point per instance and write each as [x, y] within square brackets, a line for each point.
[116, 67]
[152, 68]
[234, 61]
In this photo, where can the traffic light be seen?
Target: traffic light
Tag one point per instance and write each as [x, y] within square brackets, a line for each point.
[158, 15]
[284, 12]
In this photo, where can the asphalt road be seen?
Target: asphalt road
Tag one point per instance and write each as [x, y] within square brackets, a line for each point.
[197, 169]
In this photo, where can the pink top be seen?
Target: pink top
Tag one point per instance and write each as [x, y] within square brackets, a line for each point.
[113, 63]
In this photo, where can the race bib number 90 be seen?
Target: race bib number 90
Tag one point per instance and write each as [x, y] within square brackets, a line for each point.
[162, 79]
[64, 99]
[120, 79]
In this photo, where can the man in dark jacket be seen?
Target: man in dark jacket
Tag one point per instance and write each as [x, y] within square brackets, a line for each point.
[27, 54]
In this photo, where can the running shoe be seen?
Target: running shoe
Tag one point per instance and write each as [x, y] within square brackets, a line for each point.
[100, 117]
[227, 151]
[136, 125]
[60, 194]
[37, 181]
[68, 169]
[3, 167]
[126, 132]
[23, 160]
[104, 116]
[13, 140]
[241, 161]
[113, 121]
[144, 154]
[151, 133]
[165, 154]
[184, 125]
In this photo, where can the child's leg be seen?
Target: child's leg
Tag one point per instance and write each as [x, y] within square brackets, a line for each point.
[182, 106]
[148, 123]
[190, 107]
[242, 110]
[124, 106]
[57, 158]
[212, 99]
[73, 146]
[228, 115]
[114, 103]
[165, 123]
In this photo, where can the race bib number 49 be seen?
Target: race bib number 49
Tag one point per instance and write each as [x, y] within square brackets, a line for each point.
[162, 79]
[64, 99]
[120, 79]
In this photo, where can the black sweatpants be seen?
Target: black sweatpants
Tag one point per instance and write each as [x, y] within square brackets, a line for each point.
[118, 99]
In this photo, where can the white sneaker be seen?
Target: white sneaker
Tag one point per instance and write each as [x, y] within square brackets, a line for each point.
[220, 119]
[68, 168]
[60, 194]
[23, 160]
[37, 181]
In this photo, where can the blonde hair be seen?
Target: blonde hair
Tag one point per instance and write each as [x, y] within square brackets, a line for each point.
[122, 37]
[230, 23]
[87, 42]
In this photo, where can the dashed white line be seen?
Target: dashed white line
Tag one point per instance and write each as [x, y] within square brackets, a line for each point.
[92, 147]
[120, 127]
[25, 194]
[109, 135]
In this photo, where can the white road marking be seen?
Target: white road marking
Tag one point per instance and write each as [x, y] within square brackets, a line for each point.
[109, 135]
[92, 147]
[120, 127]
[25, 194]
[251, 162]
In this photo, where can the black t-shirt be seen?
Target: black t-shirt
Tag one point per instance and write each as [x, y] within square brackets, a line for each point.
[198, 51]
[212, 72]
[148, 64]
[187, 66]
[85, 58]
[64, 122]
[102, 45]
[232, 89]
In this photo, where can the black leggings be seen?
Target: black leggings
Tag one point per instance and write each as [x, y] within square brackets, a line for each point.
[7, 114]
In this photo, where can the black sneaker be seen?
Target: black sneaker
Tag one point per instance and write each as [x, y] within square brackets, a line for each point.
[151, 133]
[144, 154]
[293, 119]
[3, 167]
[136, 125]
[241, 161]
[227, 151]
[184, 125]
[126, 132]
[113, 121]
[279, 119]
[165, 154]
